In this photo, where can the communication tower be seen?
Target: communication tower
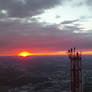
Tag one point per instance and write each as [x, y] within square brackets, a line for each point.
[76, 70]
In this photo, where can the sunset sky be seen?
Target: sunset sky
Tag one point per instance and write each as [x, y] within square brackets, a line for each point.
[43, 26]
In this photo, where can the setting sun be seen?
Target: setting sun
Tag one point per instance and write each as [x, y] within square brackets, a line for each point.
[24, 54]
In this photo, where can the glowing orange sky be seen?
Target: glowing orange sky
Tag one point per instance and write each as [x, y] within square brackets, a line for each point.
[29, 53]
[62, 53]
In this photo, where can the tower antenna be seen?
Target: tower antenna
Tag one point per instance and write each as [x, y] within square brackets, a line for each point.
[76, 70]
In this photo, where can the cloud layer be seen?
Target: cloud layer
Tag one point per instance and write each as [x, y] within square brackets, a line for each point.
[45, 25]
[23, 8]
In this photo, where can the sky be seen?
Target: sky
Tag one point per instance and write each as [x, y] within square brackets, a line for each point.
[43, 26]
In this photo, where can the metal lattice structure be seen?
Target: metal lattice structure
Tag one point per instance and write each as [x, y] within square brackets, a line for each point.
[76, 70]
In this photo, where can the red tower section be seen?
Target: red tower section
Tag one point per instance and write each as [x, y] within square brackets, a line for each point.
[76, 70]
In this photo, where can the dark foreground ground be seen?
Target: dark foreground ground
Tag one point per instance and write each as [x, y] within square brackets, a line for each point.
[41, 74]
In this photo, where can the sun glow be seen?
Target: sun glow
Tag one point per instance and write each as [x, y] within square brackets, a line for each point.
[24, 54]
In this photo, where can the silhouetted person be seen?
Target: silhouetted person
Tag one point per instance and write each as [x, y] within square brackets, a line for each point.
[77, 54]
[71, 50]
[74, 49]
[68, 51]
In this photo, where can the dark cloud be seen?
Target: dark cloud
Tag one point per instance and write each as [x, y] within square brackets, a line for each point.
[85, 2]
[69, 21]
[72, 28]
[89, 2]
[30, 8]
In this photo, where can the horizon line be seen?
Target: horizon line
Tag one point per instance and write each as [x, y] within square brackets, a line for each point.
[49, 53]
